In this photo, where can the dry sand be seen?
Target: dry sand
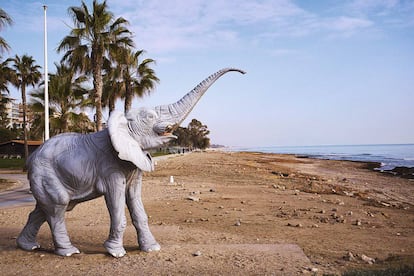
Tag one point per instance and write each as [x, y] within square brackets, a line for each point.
[238, 214]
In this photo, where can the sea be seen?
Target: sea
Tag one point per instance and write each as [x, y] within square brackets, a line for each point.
[388, 155]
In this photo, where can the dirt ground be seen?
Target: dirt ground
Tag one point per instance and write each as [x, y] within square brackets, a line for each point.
[238, 214]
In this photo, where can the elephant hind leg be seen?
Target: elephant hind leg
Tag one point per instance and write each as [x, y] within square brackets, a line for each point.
[27, 238]
[56, 221]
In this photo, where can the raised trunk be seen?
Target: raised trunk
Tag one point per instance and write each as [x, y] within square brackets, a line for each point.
[177, 112]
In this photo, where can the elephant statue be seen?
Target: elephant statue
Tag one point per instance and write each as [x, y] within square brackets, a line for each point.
[72, 168]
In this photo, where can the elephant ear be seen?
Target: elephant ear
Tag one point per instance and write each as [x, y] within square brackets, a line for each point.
[127, 147]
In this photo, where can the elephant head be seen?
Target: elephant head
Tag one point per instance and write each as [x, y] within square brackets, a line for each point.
[142, 129]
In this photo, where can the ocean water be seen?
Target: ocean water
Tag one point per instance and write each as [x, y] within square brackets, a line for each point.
[389, 155]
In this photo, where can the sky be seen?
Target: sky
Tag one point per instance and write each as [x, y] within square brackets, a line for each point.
[325, 72]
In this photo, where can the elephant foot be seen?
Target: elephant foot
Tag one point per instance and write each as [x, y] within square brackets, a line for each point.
[67, 252]
[149, 247]
[115, 250]
[27, 245]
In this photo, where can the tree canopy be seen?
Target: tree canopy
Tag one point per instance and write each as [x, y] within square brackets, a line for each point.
[194, 136]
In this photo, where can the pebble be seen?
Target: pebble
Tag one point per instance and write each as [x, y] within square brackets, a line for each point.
[193, 198]
[367, 259]
[238, 223]
[358, 222]
[197, 253]
[349, 257]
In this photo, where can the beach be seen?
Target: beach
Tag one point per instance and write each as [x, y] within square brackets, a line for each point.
[238, 213]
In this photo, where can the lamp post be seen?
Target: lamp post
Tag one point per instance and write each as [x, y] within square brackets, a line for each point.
[46, 77]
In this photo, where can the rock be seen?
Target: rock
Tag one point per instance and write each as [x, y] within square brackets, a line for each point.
[358, 222]
[279, 187]
[197, 253]
[349, 257]
[367, 259]
[193, 198]
[238, 223]
[212, 190]
[295, 225]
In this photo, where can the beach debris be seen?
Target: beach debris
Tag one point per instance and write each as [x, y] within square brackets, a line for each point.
[190, 220]
[193, 198]
[197, 253]
[171, 179]
[367, 259]
[212, 190]
[385, 204]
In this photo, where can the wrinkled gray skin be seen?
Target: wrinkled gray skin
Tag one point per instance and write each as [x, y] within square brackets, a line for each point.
[72, 168]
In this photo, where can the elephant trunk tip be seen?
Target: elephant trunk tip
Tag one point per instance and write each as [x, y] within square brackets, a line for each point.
[235, 69]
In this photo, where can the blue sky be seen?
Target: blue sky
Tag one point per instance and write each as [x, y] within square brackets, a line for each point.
[318, 72]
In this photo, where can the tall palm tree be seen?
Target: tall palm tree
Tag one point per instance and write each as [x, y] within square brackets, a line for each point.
[67, 96]
[5, 20]
[138, 76]
[26, 73]
[96, 36]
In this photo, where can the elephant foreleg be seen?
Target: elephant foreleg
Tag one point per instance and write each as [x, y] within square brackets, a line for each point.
[115, 202]
[139, 217]
[27, 238]
[56, 220]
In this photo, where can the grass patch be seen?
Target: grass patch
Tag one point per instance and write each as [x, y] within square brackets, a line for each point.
[12, 163]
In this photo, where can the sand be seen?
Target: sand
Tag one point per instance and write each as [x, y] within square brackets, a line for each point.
[238, 214]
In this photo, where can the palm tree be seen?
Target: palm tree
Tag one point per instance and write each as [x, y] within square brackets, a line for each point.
[26, 73]
[138, 77]
[67, 96]
[5, 20]
[96, 37]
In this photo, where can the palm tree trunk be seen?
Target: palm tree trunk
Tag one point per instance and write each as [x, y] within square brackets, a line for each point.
[98, 85]
[26, 147]
[128, 97]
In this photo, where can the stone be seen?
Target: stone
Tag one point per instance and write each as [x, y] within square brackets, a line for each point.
[197, 253]
[349, 257]
[193, 198]
[238, 223]
[367, 259]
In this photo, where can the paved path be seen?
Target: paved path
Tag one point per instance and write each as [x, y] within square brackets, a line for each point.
[19, 196]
